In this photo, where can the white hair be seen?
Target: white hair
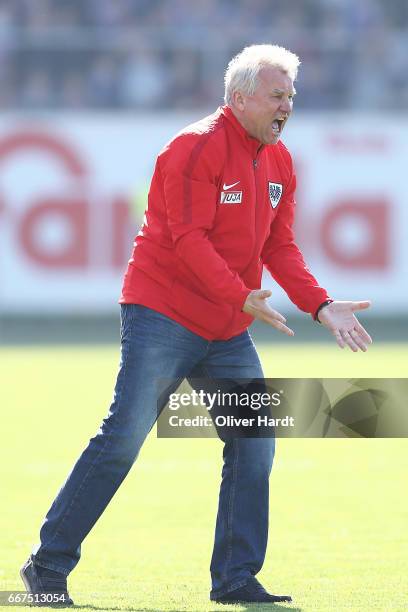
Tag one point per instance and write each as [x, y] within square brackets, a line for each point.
[242, 71]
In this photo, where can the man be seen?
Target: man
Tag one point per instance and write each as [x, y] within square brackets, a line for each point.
[221, 206]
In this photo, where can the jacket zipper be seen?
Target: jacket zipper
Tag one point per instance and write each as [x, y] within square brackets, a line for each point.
[257, 212]
[254, 165]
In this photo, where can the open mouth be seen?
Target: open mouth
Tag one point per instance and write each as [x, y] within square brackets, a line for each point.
[277, 125]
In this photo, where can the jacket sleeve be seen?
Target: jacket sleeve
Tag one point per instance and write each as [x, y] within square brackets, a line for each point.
[283, 259]
[189, 177]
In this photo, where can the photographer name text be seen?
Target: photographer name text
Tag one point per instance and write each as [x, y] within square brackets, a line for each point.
[231, 421]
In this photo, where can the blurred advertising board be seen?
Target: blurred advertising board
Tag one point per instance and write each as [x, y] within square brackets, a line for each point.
[73, 190]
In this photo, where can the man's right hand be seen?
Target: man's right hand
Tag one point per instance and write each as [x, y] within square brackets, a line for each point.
[257, 306]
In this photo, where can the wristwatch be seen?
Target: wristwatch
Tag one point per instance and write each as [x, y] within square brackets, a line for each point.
[322, 305]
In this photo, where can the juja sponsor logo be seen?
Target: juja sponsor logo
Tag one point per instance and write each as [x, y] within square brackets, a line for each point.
[231, 197]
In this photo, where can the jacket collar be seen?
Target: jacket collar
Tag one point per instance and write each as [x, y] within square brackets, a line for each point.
[253, 145]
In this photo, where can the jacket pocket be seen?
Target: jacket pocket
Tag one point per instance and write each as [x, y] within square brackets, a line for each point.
[212, 317]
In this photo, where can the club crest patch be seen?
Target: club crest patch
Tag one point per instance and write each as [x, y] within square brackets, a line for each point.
[275, 193]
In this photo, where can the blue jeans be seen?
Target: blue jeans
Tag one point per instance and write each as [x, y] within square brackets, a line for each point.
[155, 347]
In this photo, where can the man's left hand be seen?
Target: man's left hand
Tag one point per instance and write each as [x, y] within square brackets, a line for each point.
[339, 318]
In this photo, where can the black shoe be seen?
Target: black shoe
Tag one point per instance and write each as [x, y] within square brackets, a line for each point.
[49, 588]
[251, 592]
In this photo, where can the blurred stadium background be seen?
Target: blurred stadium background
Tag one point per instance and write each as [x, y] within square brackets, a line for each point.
[91, 89]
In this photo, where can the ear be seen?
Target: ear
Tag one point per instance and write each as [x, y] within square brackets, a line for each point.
[238, 100]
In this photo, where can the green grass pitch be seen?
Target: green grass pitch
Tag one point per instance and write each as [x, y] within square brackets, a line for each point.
[339, 510]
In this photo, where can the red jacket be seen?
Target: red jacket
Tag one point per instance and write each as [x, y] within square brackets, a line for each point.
[220, 207]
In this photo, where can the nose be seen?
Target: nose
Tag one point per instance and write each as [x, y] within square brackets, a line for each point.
[286, 105]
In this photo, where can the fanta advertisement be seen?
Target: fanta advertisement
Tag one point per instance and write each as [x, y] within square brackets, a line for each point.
[73, 190]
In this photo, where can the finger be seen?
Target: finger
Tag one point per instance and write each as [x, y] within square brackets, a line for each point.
[358, 340]
[278, 321]
[276, 315]
[363, 333]
[283, 328]
[339, 339]
[264, 293]
[360, 305]
[266, 312]
[349, 341]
